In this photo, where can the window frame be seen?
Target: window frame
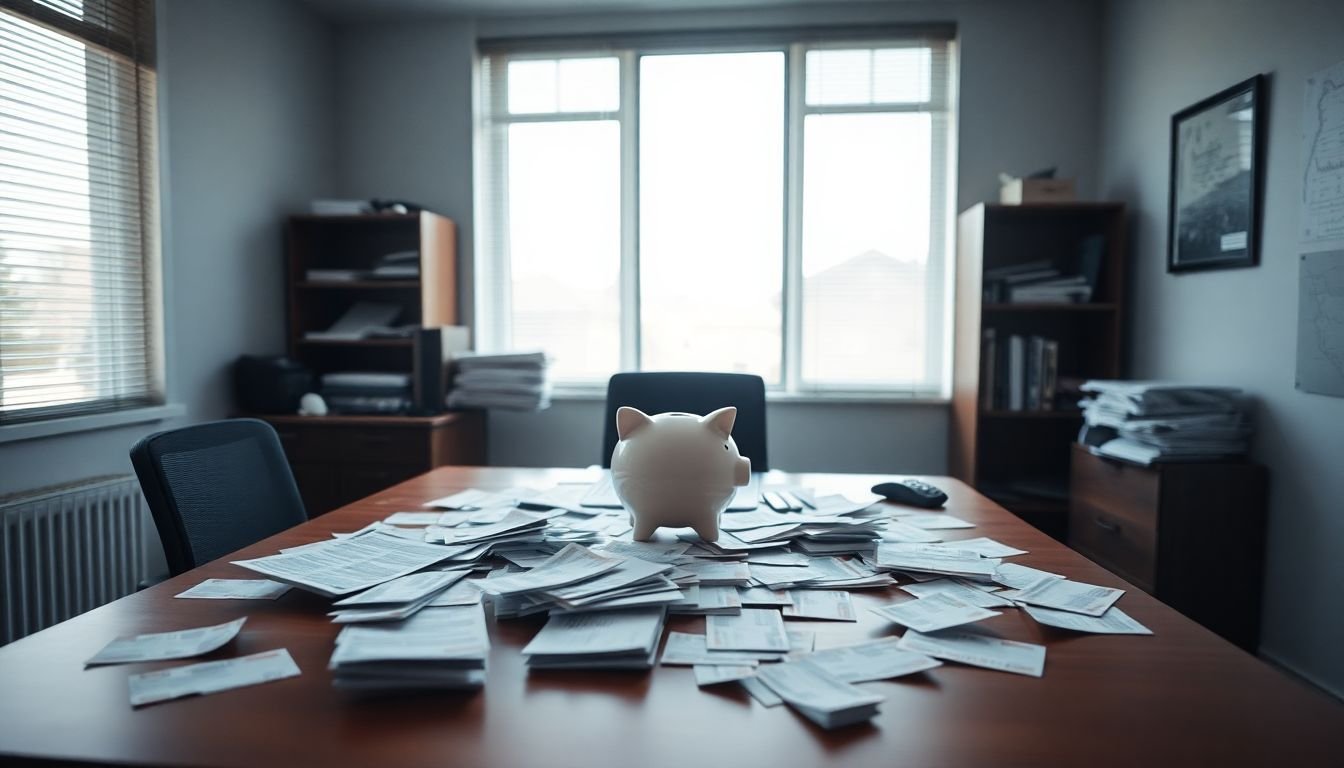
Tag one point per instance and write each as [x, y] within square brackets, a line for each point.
[493, 310]
[125, 31]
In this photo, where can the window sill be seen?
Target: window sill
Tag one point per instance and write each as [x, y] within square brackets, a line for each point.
[10, 433]
[599, 394]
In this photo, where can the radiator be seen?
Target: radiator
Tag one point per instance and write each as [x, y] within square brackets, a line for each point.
[68, 549]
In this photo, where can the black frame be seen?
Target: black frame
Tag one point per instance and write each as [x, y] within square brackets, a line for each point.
[1256, 87]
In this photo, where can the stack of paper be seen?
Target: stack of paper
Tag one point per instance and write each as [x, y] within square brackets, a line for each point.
[626, 639]
[1147, 421]
[927, 559]
[819, 696]
[513, 526]
[513, 380]
[394, 600]
[932, 613]
[436, 648]
[981, 650]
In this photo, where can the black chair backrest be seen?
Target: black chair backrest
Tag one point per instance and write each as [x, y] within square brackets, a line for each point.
[698, 393]
[216, 487]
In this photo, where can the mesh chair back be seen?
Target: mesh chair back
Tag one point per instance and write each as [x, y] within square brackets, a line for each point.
[216, 487]
[698, 393]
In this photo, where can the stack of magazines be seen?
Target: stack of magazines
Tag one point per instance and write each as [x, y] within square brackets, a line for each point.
[518, 381]
[1151, 421]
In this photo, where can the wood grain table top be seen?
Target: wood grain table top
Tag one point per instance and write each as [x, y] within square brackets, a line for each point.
[1180, 697]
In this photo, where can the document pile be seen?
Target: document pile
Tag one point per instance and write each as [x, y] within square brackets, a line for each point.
[1147, 421]
[439, 648]
[342, 566]
[625, 639]
[366, 392]
[581, 579]
[516, 381]
[819, 696]
[397, 599]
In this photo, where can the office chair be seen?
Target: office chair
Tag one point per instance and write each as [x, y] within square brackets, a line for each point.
[698, 393]
[216, 487]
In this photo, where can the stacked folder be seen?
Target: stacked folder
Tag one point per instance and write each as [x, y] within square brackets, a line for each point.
[518, 381]
[1146, 421]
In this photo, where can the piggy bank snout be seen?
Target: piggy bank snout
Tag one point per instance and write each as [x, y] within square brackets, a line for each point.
[742, 471]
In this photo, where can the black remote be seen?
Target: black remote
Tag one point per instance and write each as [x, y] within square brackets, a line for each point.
[912, 492]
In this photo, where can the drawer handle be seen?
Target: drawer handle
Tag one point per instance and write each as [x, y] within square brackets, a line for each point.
[1106, 525]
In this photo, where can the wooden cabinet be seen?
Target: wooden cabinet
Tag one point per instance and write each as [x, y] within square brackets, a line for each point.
[340, 459]
[1020, 458]
[1190, 534]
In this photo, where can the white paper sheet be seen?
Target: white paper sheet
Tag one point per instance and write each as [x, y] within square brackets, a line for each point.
[435, 634]
[933, 613]
[1075, 596]
[754, 629]
[761, 692]
[235, 589]
[684, 649]
[935, 521]
[572, 564]
[604, 632]
[714, 674]
[987, 547]
[980, 650]
[958, 591]
[349, 565]
[1112, 622]
[405, 589]
[158, 646]
[825, 604]
[812, 690]
[876, 660]
[211, 677]
[1017, 576]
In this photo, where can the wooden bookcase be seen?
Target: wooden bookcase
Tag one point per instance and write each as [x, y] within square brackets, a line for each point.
[356, 242]
[1021, 458]
[338, 459]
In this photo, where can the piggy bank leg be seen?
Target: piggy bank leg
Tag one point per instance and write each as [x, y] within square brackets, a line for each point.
[644, 530]
[707, 531]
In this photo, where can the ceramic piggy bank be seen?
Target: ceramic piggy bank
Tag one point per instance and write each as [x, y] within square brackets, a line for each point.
[676, 469]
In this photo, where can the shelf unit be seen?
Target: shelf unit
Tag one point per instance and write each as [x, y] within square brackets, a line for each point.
[1021, 458]
[356, 242]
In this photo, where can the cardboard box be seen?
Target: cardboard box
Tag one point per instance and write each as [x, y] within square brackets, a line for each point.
[1019, 191]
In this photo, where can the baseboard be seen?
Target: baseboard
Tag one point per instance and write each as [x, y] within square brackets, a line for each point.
[1292, 671]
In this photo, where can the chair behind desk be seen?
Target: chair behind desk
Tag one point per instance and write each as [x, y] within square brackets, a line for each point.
[698, 393]
[216, 487]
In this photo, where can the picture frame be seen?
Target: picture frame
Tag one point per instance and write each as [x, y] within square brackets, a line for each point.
[1213, 217]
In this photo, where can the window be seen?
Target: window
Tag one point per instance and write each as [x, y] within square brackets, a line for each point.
[778, 209]
[78, 246]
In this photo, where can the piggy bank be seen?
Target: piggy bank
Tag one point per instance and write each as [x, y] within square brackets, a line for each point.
[676, 469]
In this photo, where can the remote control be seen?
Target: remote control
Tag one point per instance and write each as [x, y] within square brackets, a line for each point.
[912, 492]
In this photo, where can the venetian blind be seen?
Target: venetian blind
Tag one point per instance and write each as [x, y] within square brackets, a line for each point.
[79, 330]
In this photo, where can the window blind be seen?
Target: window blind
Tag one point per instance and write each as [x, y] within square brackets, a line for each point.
[79, 327]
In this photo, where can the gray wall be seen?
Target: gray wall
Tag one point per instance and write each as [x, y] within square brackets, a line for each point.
[1030, 73]
[246, 104]
[1239, 326]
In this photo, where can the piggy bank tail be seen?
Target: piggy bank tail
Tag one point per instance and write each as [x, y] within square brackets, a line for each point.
[742, 471]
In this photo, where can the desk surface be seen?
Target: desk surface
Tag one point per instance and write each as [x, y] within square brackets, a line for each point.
[1182, 696]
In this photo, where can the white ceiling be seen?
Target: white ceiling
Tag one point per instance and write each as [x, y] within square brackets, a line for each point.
[373, 9]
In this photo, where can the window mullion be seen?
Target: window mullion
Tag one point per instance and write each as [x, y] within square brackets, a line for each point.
[793, 221]
[629, 290]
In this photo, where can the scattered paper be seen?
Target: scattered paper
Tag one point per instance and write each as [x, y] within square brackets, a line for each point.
[159, 646]
[683, 649]
[958, 591]
[987, 547]
[935, 612]
[876, 660]
[406, 589]
[826, 604]
[413, 518]
[235, 589]
[760, 692]
[211, 677]
[758, 597]
[754, 629]
[817, 695]
[1021, 576]
[980, 650]
[349, 565]
[1112, 622]
[605, 632]
[1075, 596]
[935, 521]
[572, 564]
[713, 674]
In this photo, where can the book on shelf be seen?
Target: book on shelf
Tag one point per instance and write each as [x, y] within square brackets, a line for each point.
[1070, 280]
[1019, 373]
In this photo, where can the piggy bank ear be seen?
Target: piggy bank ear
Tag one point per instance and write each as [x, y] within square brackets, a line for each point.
[721, 421]
[630, 420]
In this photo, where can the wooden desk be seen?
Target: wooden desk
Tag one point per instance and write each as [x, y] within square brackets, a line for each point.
[1181, 697]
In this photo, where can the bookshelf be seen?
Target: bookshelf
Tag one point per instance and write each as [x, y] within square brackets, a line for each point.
[1020, 457]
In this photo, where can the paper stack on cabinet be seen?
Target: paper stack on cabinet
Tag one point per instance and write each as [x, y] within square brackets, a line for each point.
[442, 648]
[1149, 421]
[363, 392]
[516, 381]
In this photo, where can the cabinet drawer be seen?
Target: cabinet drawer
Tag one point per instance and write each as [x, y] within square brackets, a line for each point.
[382, 445]
[360, 480]
[1113, 516]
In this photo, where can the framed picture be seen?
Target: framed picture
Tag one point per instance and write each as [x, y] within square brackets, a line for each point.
[1214, 216]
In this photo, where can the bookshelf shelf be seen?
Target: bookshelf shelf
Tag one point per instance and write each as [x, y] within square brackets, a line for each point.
[993, 447]
[375, 343]
[358, 285]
